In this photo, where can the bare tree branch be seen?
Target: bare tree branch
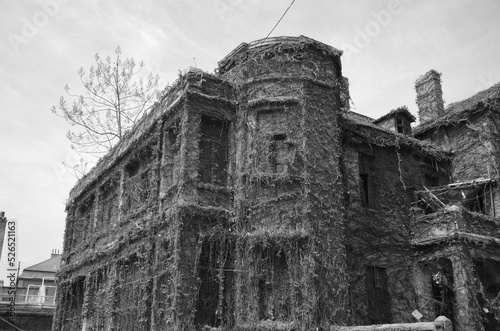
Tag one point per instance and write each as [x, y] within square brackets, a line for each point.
[114, 98]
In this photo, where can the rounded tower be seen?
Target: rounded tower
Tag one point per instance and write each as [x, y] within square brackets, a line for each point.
[288, 205]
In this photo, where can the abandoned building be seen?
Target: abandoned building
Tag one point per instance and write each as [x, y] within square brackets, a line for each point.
[254, 199]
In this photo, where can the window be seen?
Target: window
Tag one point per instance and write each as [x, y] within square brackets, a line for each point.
[378, 298]
[85, 220]
[366, 187]
[173, 133]
[109, 200]
[476, 203]
[279, 153]
[138, 183]
[365, 198]
[214, 145]
[274, 298]
[169, 168]
[402, 126]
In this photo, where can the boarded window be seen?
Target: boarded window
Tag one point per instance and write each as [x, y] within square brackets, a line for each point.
[378, 298]
[214, 150]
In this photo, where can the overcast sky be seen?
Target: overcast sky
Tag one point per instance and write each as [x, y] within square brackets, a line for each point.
[387, 45]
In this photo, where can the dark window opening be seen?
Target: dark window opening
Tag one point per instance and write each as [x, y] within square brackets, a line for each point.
[138, 181]
[132, 168]
[212, 303]
[366, 185]
[85, 220]
[400, 125]
[477, 203]
[365, 197]
[378, 297]
[73, 300]
[171, 151]
[403, 126]
[487, 272]
[279, 153]
[130, 293]
[431, 180]
[173, 132]
[442, 287]
[214, 144]
[109, 200]
[273, 295]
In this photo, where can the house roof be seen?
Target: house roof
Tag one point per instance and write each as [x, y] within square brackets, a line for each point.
[362, 126]
[462, 110]
[400, 110]
[46, 268]
[266, 44]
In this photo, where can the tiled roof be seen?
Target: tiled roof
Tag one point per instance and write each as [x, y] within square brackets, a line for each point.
[48, 266]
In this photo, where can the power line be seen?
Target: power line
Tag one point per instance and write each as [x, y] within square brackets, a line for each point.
[278, 21]
[11, 324]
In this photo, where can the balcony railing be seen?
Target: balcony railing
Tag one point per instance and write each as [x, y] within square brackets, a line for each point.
[29, 296]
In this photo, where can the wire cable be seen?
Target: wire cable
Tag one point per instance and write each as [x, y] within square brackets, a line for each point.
[11, 324]
[278, 22]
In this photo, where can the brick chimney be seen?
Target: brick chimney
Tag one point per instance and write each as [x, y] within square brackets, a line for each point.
[55, 253]
[429, 96]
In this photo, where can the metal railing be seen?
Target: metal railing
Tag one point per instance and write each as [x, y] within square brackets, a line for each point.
[29, 296]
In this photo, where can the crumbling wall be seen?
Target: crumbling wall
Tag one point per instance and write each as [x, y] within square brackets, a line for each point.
[380, 181]
[475, 144]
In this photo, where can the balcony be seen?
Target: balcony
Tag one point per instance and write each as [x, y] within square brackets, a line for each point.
[456, 211]
[29, 297]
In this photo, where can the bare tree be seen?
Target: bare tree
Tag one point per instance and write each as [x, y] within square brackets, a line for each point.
[114, 98]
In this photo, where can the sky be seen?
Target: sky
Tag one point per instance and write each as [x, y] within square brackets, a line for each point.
[387, 45]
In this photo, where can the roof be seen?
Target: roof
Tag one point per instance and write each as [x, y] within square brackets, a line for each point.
[400, 110]
[283, 42]
[363, 126]
[48, 266]
[462, 110]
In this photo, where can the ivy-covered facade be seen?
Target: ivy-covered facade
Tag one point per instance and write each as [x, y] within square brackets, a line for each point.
[254, 199]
